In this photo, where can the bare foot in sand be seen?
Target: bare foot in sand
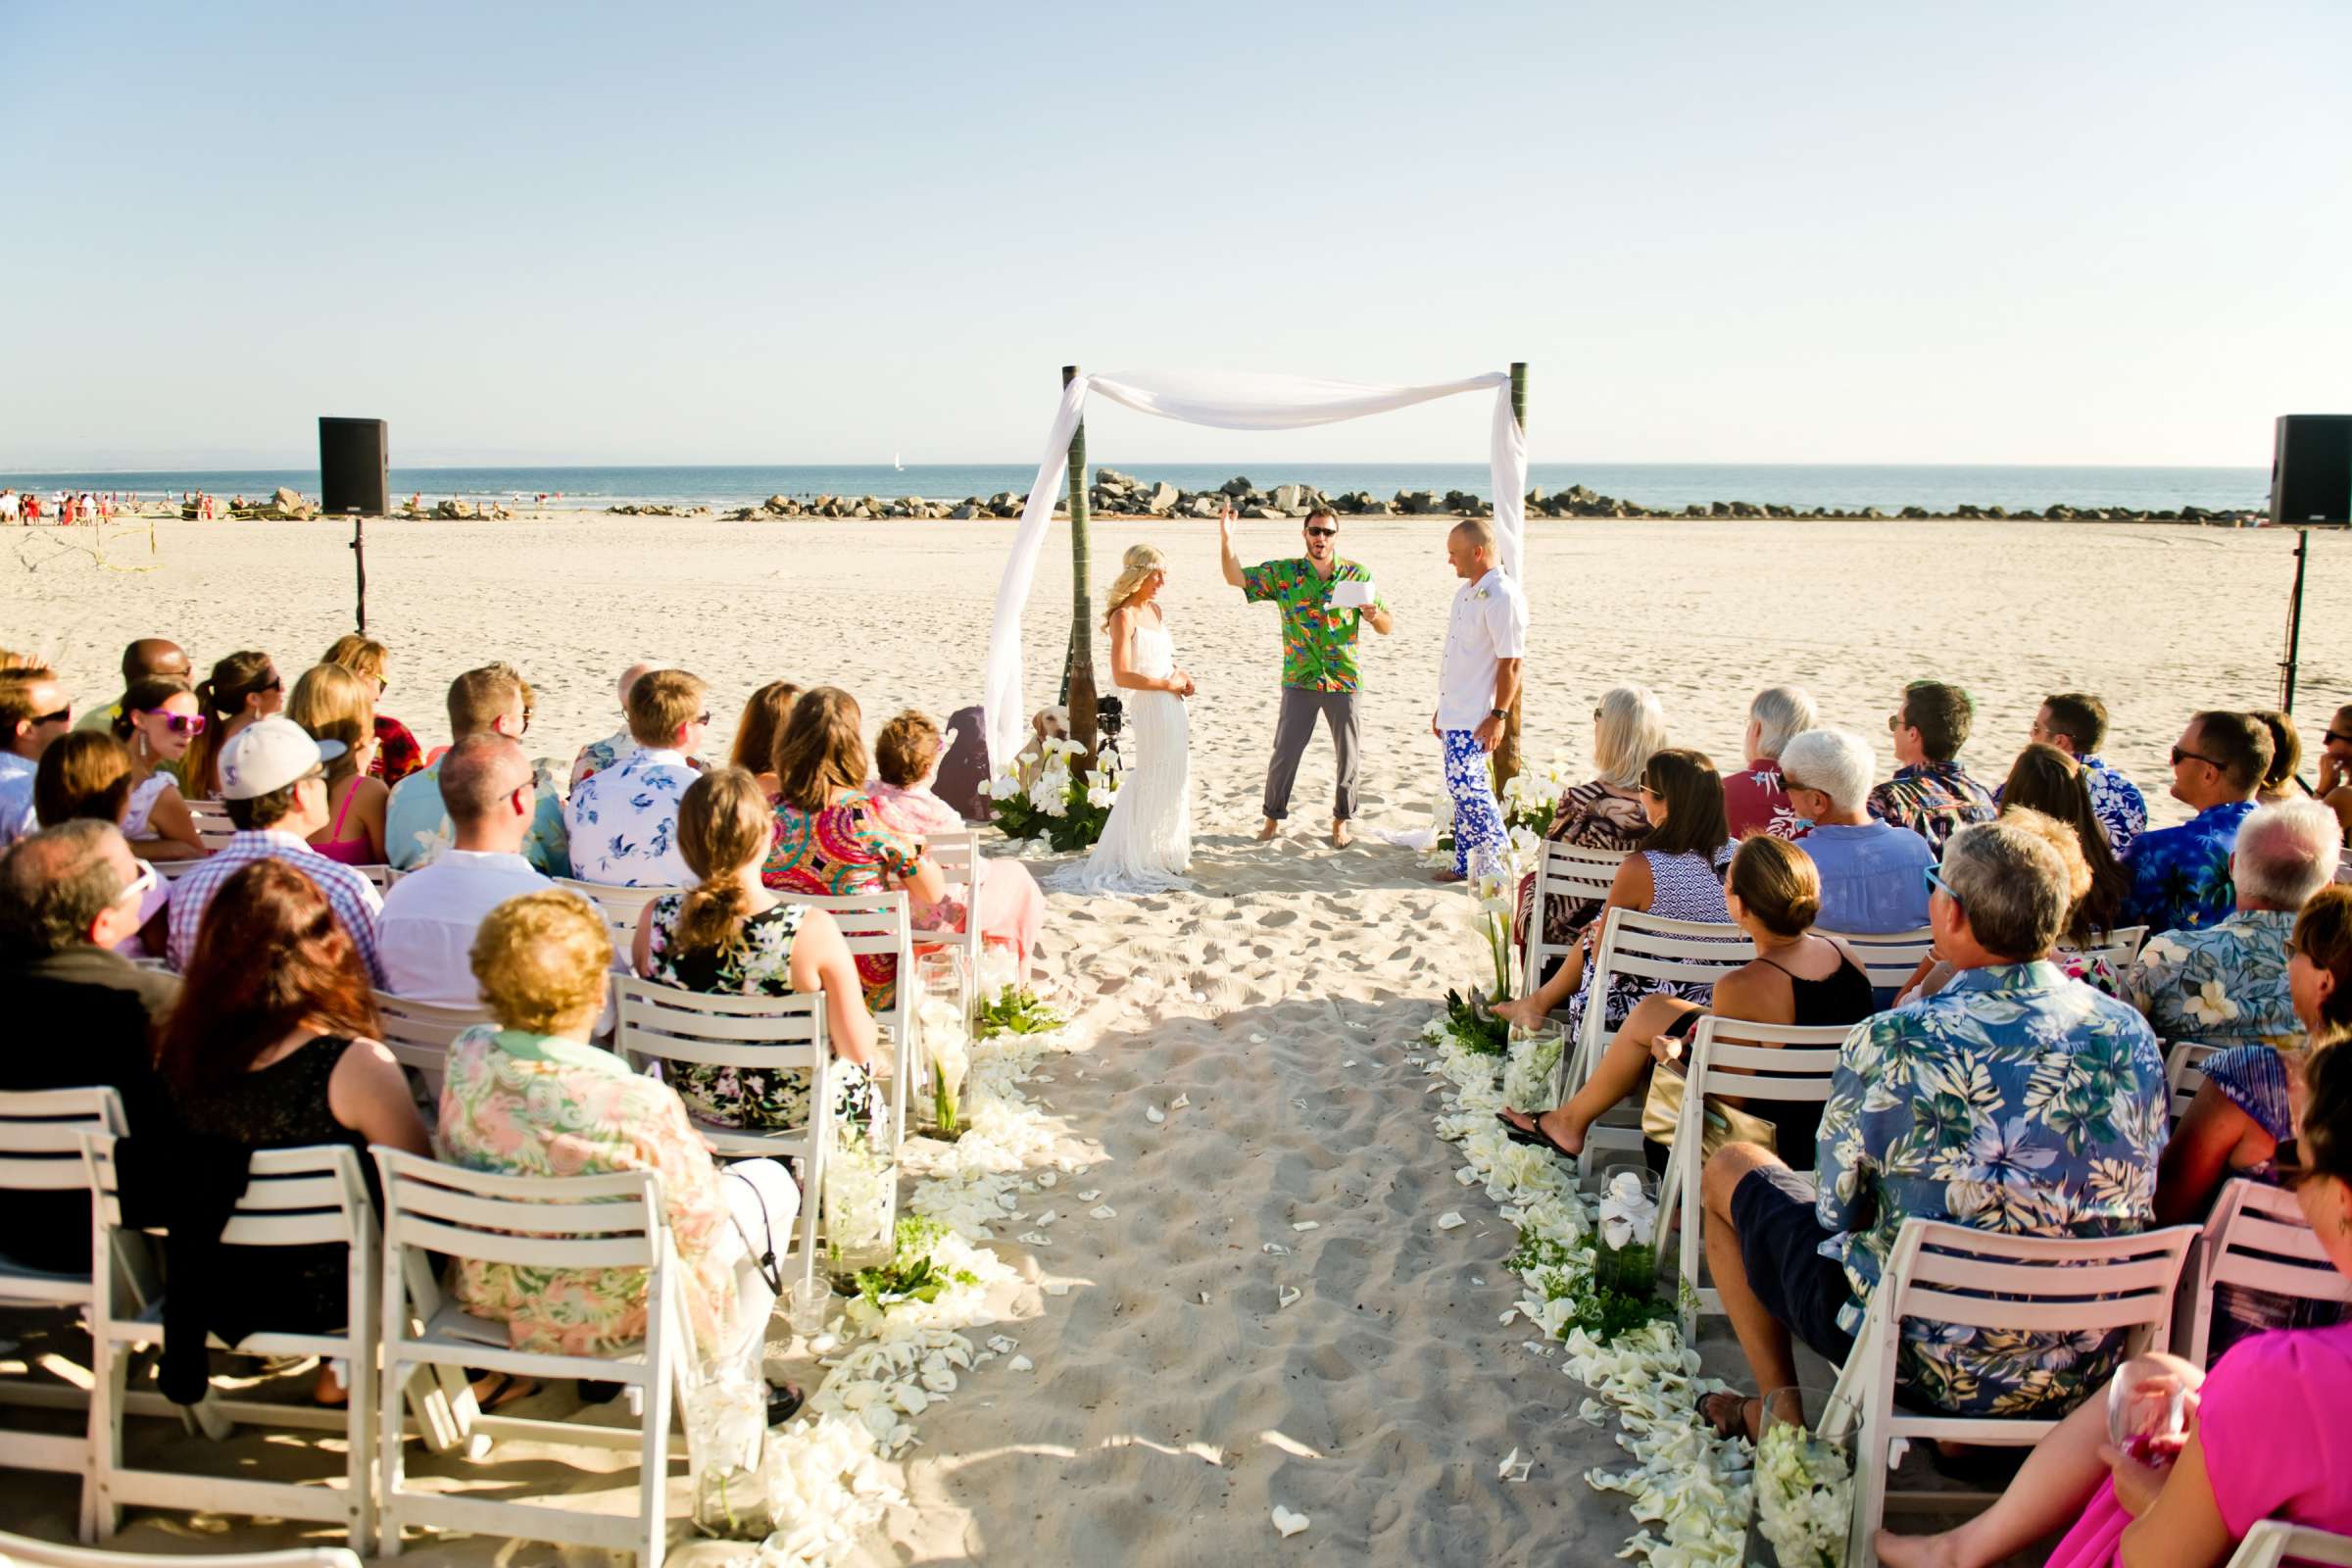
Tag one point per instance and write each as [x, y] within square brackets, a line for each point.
[1527, 1013]
[1340, 838]
[1448, 877]
[1268, 833]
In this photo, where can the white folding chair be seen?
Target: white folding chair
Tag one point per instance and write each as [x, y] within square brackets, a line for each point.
[2274, 1542]
[1652, 948]
[1890, 958]
[621, 907]
[40, 1151]
[959, 858]
[49, 1555]
[2121, 949]
[779, 1034]
[213, 826]
[587, 1223]
[1566, 871]
[418, 1035]
[293, 1197]
[380, 877]
[2256, 1238]
[1948, 1274]
[2343, 864]
[875, 924]
[2184, 1072]
[1769, 1064]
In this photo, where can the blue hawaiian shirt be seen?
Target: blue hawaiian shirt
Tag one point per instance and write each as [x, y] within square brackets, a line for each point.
[2117, 802]
[417, 828]
[2225, 984]
[2181, 876]
[1933, 800]
[2014, 1100]
[624, 822]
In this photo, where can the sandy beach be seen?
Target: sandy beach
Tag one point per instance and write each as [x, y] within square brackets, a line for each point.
[1280, 999]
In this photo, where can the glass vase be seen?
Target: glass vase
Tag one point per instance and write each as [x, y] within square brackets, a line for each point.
[1625, 1253]
[1804, 1480]
[861, 1189]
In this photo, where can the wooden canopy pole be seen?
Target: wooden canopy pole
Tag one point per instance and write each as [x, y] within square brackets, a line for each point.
[1078, 683]
[1506, 755]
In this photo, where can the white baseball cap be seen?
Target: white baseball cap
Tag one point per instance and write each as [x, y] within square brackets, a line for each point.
[270, 754]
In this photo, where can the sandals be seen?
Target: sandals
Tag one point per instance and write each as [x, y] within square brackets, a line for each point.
[1534, 1135]
[1737, 1426]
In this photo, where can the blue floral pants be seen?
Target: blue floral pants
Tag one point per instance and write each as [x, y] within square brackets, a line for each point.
[1470, 780]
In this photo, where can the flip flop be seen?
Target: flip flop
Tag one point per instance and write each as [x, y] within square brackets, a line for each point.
[1737, 1427]
[509, 1387]
[1534, 1135]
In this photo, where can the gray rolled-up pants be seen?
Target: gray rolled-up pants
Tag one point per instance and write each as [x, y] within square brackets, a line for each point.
[1294, 729]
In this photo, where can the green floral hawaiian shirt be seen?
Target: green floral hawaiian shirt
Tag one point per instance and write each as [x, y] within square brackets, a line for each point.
[1318, 642]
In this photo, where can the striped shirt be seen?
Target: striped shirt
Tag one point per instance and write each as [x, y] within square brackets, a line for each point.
[352, 897]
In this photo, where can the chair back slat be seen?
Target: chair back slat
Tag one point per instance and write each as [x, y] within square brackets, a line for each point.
[665, 1023]
[41, 1132]
[1951, 1274]
[2275, 1542]
[621, 907]
[508, 1219]
[2257, 1239]
[1887, 959]
[48, 1554]
[213, 826]
[2184, 1072]
[302, 1197]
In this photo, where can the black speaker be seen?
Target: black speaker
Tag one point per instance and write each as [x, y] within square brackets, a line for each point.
[2311, 472]
[355, 470]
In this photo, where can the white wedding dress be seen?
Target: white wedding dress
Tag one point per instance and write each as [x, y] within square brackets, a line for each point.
[1147, 846]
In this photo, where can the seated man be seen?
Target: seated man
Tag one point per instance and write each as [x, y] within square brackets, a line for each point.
[596, 755]
[431, 914]
[2076, 722]
[273, 784]
[2181, 876]
[79, 1014]
[1870, 870]
[624, 818]
[35, 710]
[417, 828]
[1928, 794]
[2335, 769]
[1753, 799]
[2225, 984]
[143, 659]
[2014, 1100]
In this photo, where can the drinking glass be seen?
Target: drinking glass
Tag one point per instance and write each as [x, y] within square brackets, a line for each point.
[2147, 1410]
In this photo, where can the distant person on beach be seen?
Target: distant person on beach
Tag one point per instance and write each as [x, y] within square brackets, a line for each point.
[1930, 794]
[143, 659]
[1319, 677]
[35, 710]
[1754, 801]
[2076, 722]
[9, 507]
[2181, 876]
[1478, 681]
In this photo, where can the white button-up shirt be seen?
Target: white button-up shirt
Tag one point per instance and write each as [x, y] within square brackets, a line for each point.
[431, 917]
[624, 822]
[1489, 624]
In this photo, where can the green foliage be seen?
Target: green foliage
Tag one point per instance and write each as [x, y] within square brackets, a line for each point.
[1480, 1034]
[911, 1275]
[1536, 1252]
[1017, 1010]
[1076, 828]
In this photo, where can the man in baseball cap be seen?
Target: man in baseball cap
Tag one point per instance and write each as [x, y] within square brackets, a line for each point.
[273, 784]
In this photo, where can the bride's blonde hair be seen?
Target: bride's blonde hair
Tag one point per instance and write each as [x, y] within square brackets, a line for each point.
[1140, 561]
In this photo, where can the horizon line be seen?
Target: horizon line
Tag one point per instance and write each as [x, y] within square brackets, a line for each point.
[310, 464]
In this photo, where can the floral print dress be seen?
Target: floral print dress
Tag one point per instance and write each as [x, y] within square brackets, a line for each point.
[844, 851]
[758, 963]
[1591, 817]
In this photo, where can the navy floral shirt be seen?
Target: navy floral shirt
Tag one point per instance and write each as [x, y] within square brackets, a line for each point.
[623, 822]
[2181, 876]
[2014, 1100]
[1933, 800]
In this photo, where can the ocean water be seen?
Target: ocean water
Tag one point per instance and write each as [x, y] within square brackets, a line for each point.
[1659, 486]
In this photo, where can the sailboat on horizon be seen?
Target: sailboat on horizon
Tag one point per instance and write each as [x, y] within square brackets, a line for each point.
[896, 463]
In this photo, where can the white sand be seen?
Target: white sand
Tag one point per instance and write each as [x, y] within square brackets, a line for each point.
[1157, 1428]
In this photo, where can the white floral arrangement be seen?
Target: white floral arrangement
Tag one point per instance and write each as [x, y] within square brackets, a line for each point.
[862, 1183]
[1528, 1072]
[1804, 1496]
[1046, 796]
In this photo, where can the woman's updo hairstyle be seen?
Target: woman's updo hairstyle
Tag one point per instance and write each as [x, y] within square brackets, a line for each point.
[1777, 883]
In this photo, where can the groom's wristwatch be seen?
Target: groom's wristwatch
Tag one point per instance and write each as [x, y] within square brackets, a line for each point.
[1499, 712]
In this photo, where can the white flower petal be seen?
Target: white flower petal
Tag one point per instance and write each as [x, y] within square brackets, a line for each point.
[1288, 1524]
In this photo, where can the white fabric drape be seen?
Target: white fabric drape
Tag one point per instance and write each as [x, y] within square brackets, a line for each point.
[1231, 401]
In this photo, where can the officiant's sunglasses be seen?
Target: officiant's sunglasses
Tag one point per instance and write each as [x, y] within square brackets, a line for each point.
[1323, 533]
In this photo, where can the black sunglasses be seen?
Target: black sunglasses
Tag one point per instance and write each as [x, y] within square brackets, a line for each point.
[2180, 756]
[2335, 735]
[1323, 533]
[59, 717]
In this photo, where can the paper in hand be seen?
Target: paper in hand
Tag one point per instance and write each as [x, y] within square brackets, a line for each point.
[1350, 595]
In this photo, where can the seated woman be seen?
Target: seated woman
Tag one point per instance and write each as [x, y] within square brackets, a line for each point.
[532, 1098]
[1629, 727]
[159, 721]
[1012, 911]
[333, 704]
[2045, 779]
[397, 753]
[764, 714]
[272, 1047]
[242, 687]
[2280, 781]
[2089, 966]
[2243, 1112]
[82, 774]
[829, 839]
[1773, 894]
[2266, 1428]
[732, 937]
[1675, 874]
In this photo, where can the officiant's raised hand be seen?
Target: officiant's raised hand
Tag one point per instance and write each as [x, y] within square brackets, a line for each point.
[1228, 562]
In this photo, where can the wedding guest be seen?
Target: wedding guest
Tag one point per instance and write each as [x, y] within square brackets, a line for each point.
[242, 688]
[397, 753]
[765, 714]
[2181, 876]
[272, 1047]
[273, 784]
[2225, 984]
[2265, 1438]
[1795, 1255]
[829, 840]
[906, 754]
[418, 827]
[1868, 869]
[1796, 977]
[2335, 769]
[2280, 783]
[84, 776]
[623, 819]
[532, 1098]
[1478, 681]
[1675, 873]
[146, 658]
[2076, 722]
[1930, 794]
[731, 936]
[70, 894]
[158, 721]
[35, 710]
[596, 755]
[1629, 728]
[1753, 799]
[2047, 780]
[431, 914]
[335, 705]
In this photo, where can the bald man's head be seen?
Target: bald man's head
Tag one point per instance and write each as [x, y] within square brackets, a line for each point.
[153, 656]
[479, 774]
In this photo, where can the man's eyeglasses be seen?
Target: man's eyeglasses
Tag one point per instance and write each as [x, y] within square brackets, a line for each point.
[1322, 534]
[1936, 884]
[704, 719]
[178, 723]
[139, 886]
[62, 715]
[2180, 756]
[1895, 722]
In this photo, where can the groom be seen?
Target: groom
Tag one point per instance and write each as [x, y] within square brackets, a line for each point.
[1318, 659]
[1484, 640]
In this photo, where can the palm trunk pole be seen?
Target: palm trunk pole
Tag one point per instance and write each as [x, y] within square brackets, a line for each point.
[1078, 684]
[1506, 755]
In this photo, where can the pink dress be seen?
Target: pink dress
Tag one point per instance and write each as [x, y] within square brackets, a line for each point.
[342, 851]
[1012, 909]
[2270, 1421]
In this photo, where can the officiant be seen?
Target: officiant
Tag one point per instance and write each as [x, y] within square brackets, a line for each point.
[1325, 603]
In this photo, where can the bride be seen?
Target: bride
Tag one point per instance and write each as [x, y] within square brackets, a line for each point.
[1148, 844]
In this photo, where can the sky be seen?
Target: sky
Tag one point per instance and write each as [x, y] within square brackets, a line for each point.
[1991, 232]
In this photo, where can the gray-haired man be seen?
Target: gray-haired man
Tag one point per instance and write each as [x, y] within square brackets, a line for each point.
[1319, 625]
